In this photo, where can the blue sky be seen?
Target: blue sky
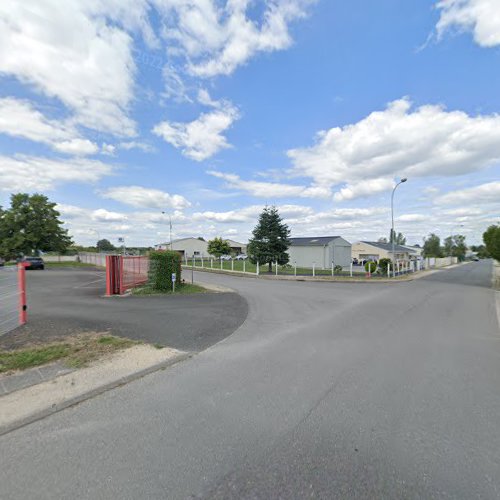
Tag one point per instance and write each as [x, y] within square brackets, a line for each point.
[209, 109]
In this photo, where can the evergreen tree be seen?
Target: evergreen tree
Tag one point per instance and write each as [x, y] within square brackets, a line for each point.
[270, 240]
[31, 225]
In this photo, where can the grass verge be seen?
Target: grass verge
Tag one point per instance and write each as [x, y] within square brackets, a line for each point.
[68, 264]
[185, 289]
[75, 352]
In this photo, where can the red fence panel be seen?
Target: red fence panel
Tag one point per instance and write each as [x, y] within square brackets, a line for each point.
[124, 272]
[134, 271]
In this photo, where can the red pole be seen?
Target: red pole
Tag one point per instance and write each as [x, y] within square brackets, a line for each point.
[120, 263]
[21, 280]
[109, 279]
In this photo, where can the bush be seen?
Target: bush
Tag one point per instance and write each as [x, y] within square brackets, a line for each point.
[337, 269]
[370, 267]
[162, 264]
[383, 265]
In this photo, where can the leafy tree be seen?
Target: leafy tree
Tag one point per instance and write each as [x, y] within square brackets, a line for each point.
[218, 247]
[383, 265]
[105, 245]
[383, 239]
[481, 251]
[455, 246]
[491, 238]
[31, 225]
[270, 240]
[398, 238]
[432, 246]
[200, 238]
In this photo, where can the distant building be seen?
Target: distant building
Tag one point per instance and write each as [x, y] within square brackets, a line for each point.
[199, 248]
[374, 250]
[321, 250]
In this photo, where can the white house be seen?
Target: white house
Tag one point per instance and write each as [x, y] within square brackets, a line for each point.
[321, 250]
[375, 250]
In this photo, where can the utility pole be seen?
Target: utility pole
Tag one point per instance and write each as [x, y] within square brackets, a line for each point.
[393, 234]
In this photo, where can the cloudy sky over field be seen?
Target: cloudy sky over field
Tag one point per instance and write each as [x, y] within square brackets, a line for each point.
[210, 109]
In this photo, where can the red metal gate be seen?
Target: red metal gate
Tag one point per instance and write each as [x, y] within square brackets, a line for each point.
[124, 272]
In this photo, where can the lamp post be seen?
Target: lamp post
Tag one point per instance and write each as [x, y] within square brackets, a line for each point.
[170, 227]
[393, 234]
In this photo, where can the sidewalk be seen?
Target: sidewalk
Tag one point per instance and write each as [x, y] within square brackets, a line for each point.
[36, 393]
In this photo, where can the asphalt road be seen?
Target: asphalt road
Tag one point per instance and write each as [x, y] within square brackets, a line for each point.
[326, 391]
[68, 301]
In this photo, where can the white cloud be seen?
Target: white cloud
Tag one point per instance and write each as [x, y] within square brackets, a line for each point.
[128, 145]
[480, 17]
[141, 197]
[363, 188]
[400, 141]
[18, 118]
[412, 218]
[484, 193]
[271, 190]
[71, 51]
[203, 137]
[28, 173]
[104, 215]
[218, 37]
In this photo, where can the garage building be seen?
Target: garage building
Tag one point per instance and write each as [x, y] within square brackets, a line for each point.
[321, 250]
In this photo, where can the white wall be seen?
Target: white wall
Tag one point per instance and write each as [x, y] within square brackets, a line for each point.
[304, 256]
[190, 246]
[339, 253]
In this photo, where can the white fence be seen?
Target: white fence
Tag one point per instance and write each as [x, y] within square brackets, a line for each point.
[10, 297]
[97, 259]
[60, 258]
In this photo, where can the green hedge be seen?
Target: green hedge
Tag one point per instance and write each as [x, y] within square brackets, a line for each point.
[162, 264]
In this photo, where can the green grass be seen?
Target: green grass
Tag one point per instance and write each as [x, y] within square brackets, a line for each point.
[76, 351]
[68, 264]
[185, 289]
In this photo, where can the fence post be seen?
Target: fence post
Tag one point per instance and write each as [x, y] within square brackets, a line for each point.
[232, 264]
[257, 270]
[314, 269]
[333, 274]
[211, 263]
[350, 269]
[221, 262]
[192, 271]
[244, 265]
[21, 280]
[389, 270]
[276, 268]
[202, 266]
[295, 268]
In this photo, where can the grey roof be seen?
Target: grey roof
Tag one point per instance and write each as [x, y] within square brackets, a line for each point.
[388, 246]
[312, 241]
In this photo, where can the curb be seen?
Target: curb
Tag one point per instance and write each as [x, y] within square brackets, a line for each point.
[92, 393]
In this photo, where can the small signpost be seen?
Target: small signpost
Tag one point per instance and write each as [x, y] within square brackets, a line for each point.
[174, 277]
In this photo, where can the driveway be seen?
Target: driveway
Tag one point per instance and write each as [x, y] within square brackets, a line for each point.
[68, 301]
[327, 390]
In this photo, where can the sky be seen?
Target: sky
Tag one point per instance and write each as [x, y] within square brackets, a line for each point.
[129, 112]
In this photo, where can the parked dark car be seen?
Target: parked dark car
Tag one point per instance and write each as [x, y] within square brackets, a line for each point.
[34, 263]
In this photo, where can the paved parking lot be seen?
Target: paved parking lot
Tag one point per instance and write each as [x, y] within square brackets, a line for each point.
[68, 301]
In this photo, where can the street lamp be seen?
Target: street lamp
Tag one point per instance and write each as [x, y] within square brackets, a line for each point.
[393, 234]
[170, 226]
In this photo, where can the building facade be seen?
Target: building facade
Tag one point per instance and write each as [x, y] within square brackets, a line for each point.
[189, 247]
[374, 250]
[321, 251]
